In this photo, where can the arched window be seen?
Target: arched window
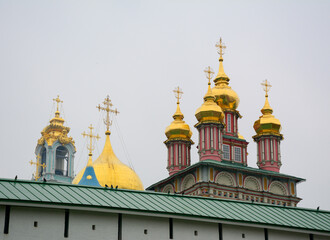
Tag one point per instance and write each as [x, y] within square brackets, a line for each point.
[62, 160]
[43, 153]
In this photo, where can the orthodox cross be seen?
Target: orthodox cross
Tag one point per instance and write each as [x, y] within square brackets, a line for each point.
[221, 47]
[178, 94]
[58, 101]
[36, 175]
[209, 73]
[267, 86]
[91, 136]
[107, 107]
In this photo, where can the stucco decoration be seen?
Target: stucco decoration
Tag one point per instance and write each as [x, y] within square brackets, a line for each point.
[168, 189]
[225, 178]
[252, 183]
[277, 187]
[187, 182]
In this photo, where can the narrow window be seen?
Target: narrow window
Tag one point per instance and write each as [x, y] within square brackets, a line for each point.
[311, 237]
[262, 150]
[211, 135]
[188, 156]
[271, 149]
[196, 233]
[234, 123]
[93, 227]
[226, 151]
[243, 235]
[145, 231]
[120, 221]
[203, 139]
[219, 139]
[66, 224]
[171, 227]
[238, 154]
[180, 154]
[7, 216]
[171, 155]
[35, 224]
[228, 123]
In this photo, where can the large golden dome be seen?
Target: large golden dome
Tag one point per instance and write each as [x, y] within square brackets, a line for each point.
[226, 97]
[209, 111]
[109, 170]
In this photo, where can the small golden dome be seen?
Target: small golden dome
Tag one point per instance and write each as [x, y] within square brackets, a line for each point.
[178, 129]
[267, 124]
[109, 170]
[226, 97]
[209, 111]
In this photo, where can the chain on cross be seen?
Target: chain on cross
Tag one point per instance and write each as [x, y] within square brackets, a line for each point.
[209, 73]
[107, 107]
[266, 86]
[91, 136]
[178, 94]
[58, 101]
[221, 47]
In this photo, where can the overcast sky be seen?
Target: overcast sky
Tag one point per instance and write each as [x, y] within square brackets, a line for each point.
[139, 51]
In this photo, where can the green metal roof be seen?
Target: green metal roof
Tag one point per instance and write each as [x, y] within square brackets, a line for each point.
[229, 166]
[66, 195]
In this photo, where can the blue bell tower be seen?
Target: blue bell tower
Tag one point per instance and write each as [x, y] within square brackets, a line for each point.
[55, 151]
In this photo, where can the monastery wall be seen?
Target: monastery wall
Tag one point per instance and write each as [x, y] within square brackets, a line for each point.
[30, 223]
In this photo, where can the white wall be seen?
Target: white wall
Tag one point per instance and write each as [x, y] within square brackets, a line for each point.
[133, 227]
[51, 226]
[235, 232]
[80, 225]
[21, 224]
[184, 229]
[280, 235]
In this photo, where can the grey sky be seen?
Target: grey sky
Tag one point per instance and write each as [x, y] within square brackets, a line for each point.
[138, 51]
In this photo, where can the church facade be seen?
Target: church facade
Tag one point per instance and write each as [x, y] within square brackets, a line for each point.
[222, 170]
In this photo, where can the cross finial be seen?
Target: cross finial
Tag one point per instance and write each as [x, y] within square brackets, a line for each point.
[91, 136]
[221, 47]
[107, 107]
[209, 73]
[37, 163]
[178, 94]
[58, 101]
[267, 86]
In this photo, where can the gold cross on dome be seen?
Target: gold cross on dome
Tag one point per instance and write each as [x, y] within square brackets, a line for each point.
[267, 86]
[221, 47]
[209, 73]
[36, 175]
[91, 136]
[178, 94]
[107, 107]
[58, 101]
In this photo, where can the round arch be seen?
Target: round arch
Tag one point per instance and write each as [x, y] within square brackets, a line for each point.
[277, 187]
[187, 182]
[225, 178]
[252, 183]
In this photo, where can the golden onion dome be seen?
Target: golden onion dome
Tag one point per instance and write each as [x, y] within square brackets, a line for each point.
[226, 97]
[109, 170]
[209, 111]
[267, 124]
[178, 129]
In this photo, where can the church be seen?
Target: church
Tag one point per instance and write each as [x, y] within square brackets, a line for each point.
[219, 197]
